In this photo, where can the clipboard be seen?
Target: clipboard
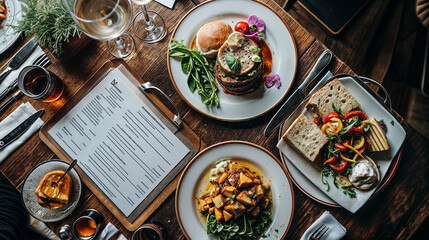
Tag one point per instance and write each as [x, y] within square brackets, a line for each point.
[168, 184]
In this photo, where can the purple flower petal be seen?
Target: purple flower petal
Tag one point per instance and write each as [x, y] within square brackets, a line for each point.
[269, 83]
[252, 19]
[260, 25]
[254, 37]
[273, 80]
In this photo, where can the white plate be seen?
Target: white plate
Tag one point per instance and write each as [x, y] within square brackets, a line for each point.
[279, 39]
[308, 178]
[315, 193]
[31, 182]
[7, 33]
[192, 183]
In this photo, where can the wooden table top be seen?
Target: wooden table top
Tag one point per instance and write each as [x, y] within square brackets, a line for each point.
[395, 213]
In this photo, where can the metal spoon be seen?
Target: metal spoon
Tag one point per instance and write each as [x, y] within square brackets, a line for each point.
[55, 184]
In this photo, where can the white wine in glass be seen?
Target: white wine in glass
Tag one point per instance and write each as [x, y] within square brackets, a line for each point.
[105, 20]
[148, 26]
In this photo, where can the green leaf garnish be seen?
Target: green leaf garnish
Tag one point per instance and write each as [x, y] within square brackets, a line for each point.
[233, 63]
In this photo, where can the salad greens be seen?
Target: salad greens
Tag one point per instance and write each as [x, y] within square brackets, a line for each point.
[245, 227]
[200, 73]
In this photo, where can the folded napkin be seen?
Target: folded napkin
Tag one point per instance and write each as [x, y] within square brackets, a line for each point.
[108, 232]
[41, 228]
[167, 3]
[12, 121]
[336, 230]
[15, 73]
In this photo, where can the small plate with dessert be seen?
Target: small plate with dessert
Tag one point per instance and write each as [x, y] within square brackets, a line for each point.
[47, 201]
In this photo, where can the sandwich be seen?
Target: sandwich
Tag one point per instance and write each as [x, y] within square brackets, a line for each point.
[53, 196]
[211, 36]
[239, 65]
[332, 94]
[306, 137]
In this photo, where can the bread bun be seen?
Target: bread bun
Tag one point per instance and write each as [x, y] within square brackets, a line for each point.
[211, 36]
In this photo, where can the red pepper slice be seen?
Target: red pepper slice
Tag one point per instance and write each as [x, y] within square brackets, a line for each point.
[331, 160]
[359, 114]
[331, 115]
[356, 130]
[341, 147]
[339, 165]
[362, 149]
[318, 121]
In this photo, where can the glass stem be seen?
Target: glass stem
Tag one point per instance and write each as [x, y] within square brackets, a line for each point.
[149, 24]
[120, 43]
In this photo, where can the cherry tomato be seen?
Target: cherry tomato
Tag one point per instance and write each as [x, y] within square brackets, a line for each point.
[339, 165]
[331, 160]
[242, 27]
[331, 115]
[341, 147]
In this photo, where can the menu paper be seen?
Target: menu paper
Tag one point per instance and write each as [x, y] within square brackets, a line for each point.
[119, 142]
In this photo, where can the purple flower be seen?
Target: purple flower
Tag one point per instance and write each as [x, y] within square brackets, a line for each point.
[256, 25]
[254, 36]
[273, 80]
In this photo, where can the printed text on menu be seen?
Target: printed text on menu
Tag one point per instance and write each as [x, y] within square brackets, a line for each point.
[118, 141]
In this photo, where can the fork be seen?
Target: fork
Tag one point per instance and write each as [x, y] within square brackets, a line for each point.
[319, 233]
[42, 61]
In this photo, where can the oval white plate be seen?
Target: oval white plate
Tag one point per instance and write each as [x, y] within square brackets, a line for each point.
[191, 185]
[31, 182]
[7, 33]
[388, 164]
[279, 39]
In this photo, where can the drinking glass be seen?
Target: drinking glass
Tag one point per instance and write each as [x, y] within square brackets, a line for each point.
[105, 20]
[148, 26]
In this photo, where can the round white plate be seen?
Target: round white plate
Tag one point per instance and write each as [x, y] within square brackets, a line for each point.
[31, 182]
[372, 108]
[7, 33]
[277, 35]
[192, 183]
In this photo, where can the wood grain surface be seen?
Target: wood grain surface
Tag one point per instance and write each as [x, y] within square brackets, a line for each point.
[396, 213]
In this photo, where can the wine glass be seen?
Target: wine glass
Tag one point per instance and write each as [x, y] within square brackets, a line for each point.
[105, 20]
[148, 26]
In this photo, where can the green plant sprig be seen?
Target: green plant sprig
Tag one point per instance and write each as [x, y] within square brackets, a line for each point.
[200, 73]
[50, 23]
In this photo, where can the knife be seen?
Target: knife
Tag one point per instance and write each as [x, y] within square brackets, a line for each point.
[296, 98]
[19, 58]
[20, 129]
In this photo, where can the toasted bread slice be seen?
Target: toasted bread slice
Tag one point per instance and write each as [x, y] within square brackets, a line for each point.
[243, 53]
[376, 137]
[60, 194]
[306, 138]
[335, 93]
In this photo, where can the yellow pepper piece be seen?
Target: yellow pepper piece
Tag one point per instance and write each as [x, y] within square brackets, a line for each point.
[346, 158]
[354, 149]
[325, 126]
[359, 143]
[363, 124]
[340, 124]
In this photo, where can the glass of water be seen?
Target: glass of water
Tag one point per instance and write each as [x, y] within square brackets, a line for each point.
[105, 20]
